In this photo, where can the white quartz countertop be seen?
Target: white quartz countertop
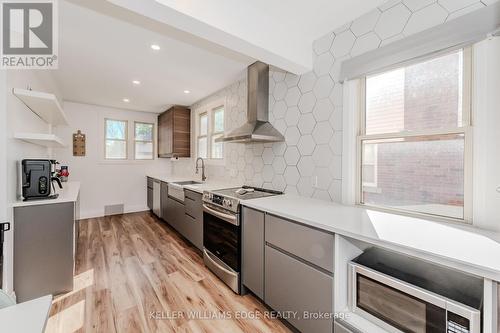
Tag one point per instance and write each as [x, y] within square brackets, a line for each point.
[69, 193]
[204, 186]
[464, 247]
[27, 317]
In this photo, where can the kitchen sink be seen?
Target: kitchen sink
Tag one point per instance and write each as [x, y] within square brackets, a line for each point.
[188, 182]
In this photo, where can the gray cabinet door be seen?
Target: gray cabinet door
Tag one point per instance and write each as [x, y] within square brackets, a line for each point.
[194, 218]
[292, 285]
[253, 251]
[312, 245]
[163, 198]
[177, 217]
[150, 198]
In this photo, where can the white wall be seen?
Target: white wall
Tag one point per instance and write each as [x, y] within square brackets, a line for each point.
[20, 119]
[105, 182]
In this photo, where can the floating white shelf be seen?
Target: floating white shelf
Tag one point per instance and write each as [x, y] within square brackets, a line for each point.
[45, 105]
[45, 140]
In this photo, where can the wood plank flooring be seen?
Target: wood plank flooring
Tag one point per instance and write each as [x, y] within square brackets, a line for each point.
[136, 274]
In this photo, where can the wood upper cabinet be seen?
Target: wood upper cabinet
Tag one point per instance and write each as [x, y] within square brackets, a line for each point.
[174, 132]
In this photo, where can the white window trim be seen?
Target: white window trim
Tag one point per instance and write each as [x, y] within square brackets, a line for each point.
[208, 109]
[143, 141]
[353, 122]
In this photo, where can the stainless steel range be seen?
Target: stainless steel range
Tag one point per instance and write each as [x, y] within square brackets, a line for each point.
[222, 231]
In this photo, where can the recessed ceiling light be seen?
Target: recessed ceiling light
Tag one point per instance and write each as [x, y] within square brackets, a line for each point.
[136, 82]
[126, 100]
[155, 47]
[186, 91]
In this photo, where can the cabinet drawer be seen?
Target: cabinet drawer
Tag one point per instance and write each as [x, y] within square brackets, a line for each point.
[150, 182]
[193, 204]
[292, 285]
[314, 246]
[194, 231]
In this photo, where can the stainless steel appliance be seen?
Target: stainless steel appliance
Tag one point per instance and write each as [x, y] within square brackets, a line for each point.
[37, 178]
[403, 294]
[222, 231]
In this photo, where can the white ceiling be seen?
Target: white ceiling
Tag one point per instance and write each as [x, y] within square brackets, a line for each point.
[101, 55]
[205, 45]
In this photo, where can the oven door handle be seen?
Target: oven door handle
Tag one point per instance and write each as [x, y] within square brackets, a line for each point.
[233, 219]
[214, 260]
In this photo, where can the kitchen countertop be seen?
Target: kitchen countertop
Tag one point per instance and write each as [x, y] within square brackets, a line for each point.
[204, 186]
[69, 193]
[462, 246]
[29, 316]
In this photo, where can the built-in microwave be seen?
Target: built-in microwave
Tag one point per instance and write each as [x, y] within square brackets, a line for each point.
[403, 294]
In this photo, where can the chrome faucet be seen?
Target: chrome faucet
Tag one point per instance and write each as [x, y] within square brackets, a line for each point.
[203, 177]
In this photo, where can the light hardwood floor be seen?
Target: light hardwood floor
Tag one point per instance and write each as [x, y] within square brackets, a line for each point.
[135, 274]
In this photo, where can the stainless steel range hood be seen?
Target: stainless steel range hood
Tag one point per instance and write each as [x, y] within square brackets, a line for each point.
[257, 128]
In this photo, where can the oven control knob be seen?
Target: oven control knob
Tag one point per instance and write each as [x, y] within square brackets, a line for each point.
[227, 203]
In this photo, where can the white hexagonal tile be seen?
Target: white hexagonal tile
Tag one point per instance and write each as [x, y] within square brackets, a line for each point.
[466, 10]
[248, 155]
[425, 18]
[249, 172]
[292, 156]
[323, 44]
[306, 102]
[279, 165]
[306, 145]
[268, 156]
[336, 143]
[257, 180]
[323, 109]
[306, 166]
[323, 132]
[336, 118]
[453, 5]
[415, 5]
[321, 195]
[290, 189]
[279, 148]
[365, 43]
[307, 81]
[392, 21]
[335, 191]
[342, 28]
[278, 76]
[280, 125]
[257, 148]
[257, 163]
[365, 23]
[336, 167]
[292, 175]
[292, 136]
[292, 96]
[323, 178]
[268, 173]
[291, 80]
[267, 185]
[323, 87]
[241, 164]
[280, 91]
[388, 4]
[323, 63]
[305, 187]
[292, 116]
[337, 95]
[392, 39]
[322, 156]
[279, 110]
[342, 44]
[306, 123]
[279, 183]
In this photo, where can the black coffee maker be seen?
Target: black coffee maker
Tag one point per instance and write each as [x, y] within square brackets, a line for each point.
[37, 178]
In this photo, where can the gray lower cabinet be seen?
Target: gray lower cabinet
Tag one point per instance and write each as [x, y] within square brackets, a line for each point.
[150, 193]
[175, 217]
[292, 285]
[194, 218]
[253, 251]
[163, 201]
[44, 241]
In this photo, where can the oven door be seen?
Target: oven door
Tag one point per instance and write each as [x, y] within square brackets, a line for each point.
[401, 307]
[222, 236]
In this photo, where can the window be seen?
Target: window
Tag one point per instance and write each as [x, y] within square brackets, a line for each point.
[210, 128]
[414, 137]
[144, 135]
[116, 139]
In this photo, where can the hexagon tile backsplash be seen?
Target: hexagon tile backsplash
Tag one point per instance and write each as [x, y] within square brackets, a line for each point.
[307, 109]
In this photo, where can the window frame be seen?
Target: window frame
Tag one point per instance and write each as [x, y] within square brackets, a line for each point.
[210, 110]
[466, 129]
[143, 141]
[121, 140]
